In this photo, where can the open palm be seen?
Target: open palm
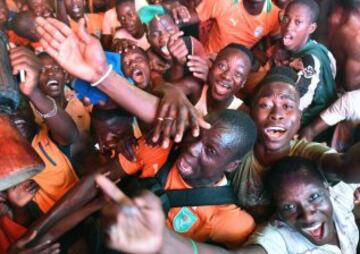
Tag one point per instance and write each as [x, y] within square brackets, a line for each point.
[78, 52]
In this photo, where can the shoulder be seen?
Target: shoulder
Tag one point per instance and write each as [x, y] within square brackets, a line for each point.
[310, 150]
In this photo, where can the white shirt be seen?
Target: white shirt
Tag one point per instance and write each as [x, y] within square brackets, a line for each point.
[279, 238]
[347, 107]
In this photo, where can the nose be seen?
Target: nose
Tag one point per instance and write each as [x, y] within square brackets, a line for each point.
[306, 216]
[276, 114]
[226, 74]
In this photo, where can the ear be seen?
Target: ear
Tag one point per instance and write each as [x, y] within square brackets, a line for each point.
[312, 28]
[232, 166]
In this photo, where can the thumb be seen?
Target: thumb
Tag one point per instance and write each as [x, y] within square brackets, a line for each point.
[22, 242]
[83, 35]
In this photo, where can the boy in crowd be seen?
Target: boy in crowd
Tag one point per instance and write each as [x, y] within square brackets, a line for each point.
[132, 30]
[244, 22]
[311, 216]
[314, 63]
[52, 142]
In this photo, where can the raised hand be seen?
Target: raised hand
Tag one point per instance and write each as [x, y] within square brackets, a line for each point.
[22, 193]
[177, 47]
[134, 226]
[199, 67]
[22, 58]
[78, 53]
[176, 113]
[181, 14]
[47, 247]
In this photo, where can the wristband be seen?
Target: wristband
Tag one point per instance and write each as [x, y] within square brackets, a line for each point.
[107, 73]
[194, 247]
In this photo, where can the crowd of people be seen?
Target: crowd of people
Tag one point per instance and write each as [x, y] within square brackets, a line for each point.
[184, 126]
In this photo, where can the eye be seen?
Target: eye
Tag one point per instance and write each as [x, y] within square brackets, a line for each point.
[264, 106]
[298, 22]
[287, 106]
[222, 66]
[210, 150]
[122, 18]
[288, 208]
[314, 196]
[238, 75]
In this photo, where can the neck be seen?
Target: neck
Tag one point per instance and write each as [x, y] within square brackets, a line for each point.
[215, 105]
[202, 182]
[253, 9]
[266, 156]
[139, 33]
[61, 101]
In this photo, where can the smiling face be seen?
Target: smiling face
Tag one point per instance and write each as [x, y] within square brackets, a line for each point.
[52, 77]
[228, 73]
[136, 66]
[129, 19]
[276, 113]
[204, 160]
[159, 33]
[41, 8]
[303, 203]
[296, 27]
[75, 9]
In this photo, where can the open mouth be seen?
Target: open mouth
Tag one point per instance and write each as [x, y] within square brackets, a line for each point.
[76, 9]
[275, 132]
[222, 87]
[137, 75]
[184, 167]
[287, 39]
[315, 231]
[52, 83]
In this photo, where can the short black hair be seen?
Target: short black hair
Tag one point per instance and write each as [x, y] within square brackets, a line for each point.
[22, 23]
[348, 4]
[313, 7]
[282, 170]
[119, 2]
[242, 48]
[139, 50]
[242, 127]
[277, 74]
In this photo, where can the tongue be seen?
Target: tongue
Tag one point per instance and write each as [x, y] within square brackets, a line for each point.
[318, 232]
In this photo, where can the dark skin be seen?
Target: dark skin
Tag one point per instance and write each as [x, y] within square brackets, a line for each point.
[41, 8]
[200, 156]
[62, 128]
[296, 27]
[343, 23]
[129, 19]
[52, 80]
[135, 64]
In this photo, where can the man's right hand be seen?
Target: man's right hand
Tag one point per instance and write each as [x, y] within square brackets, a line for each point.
[132, 225]
[78, 53]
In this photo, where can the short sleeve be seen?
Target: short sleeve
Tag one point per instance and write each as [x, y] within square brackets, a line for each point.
[232, 226]
[338, 111]
[209, 9]
[149, 159]
[270, 239]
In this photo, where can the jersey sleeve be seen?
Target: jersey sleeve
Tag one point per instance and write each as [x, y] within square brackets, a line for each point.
[149, 159]
[209, 9]
[309, 81]
[232, 226]
[339, 110]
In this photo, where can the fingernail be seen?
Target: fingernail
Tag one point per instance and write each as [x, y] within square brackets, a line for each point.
[165, 144]
[191, 69]
[177, 138]
[189, 56]
[196, 133]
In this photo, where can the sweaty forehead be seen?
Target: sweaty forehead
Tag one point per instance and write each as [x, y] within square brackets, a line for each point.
[278, 89]
[235, 55]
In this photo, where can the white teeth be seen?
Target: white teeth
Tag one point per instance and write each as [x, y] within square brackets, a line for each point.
[316, 226]
[275, 129]
[52, 82]
[137, 72]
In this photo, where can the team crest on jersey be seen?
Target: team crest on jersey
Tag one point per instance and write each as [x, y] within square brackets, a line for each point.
[258, 31]
[184, 220]
[308, 72]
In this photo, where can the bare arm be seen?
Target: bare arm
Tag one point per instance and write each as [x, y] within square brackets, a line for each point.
[313, 129]
[62, 128]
